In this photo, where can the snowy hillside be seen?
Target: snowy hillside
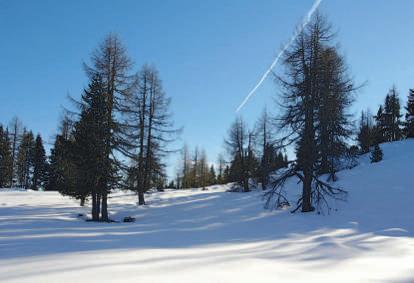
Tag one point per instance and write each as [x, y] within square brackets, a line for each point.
[216, 236]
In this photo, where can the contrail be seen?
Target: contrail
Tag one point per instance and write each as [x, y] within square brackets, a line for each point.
[305, 22]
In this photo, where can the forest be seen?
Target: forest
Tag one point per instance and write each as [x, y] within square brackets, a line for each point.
[117, 135]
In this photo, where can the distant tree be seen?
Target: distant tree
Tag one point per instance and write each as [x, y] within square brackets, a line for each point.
[203, 170]
[366, 132]
[15, 132]
[212, 176]
[221, 167]
[409, 116]
[226, 175]
[388, 118]
[376, 154]
[5, 158]
[393, 116]
[186, 167]
[264, 137]
[60, 165]
[39, 164]
[238, 146]
[25, 158]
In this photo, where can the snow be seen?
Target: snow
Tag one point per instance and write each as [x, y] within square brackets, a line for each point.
[217, 236]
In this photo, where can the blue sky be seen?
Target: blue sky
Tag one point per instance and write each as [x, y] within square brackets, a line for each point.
[209, 54]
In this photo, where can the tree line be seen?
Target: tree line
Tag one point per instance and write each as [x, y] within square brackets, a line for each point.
[387, 125]
[23, 161]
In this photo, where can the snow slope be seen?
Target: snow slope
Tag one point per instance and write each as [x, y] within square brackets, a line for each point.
[216, 236]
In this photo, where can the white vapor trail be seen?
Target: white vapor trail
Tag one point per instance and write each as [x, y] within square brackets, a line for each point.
[305, 22]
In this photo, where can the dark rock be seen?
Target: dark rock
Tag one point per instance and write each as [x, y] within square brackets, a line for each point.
[129, 219]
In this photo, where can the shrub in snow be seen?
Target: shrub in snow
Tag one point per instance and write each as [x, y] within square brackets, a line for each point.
[376, 154]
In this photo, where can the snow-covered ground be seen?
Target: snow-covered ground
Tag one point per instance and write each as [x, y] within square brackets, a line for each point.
[216, 236]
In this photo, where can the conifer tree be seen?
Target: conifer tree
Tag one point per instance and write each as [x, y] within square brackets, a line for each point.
[392, 115]
[409, 116]
[221, 167]
[304, 82]
[376, 154]
[5, 158]
[25, 158]
[61, 171]
[15, 133]
[239, 148]
[112, 64]
[212, 176]
[333, 121]
[39, 164]
[388, 123]
[265, 140]
[366, 132]
[147, 131]
[93, 171]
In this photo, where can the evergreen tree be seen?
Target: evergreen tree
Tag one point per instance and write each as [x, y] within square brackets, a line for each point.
[25, 157]
[186, 168]
[393, 116]
[15, 133]
[112, 64]
[409, 116]
[93, 170]
[5, 158]
[388, 121]
[212, 176]
[39, 164]
[61, 167]
[366, 132]
[266, 148]
[376, 154]
[380, 126]
[221, 167]
[239, 148]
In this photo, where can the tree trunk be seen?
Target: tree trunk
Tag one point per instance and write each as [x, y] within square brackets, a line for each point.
[306, 193]
[98, 206]
[95, 209]
[141, 199]
[104, 211]
[82, 201]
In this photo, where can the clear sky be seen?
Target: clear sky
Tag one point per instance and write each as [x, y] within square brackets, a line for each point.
[209, 54]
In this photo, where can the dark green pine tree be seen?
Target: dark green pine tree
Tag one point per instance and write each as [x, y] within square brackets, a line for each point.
[376, 154]
[5, 158]
[392, 116]
[366, 132]
[60, 165]
[93, 169]
[380, 128]
[39, 164]
[25, 160]
[409, 116]
[212, 176]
